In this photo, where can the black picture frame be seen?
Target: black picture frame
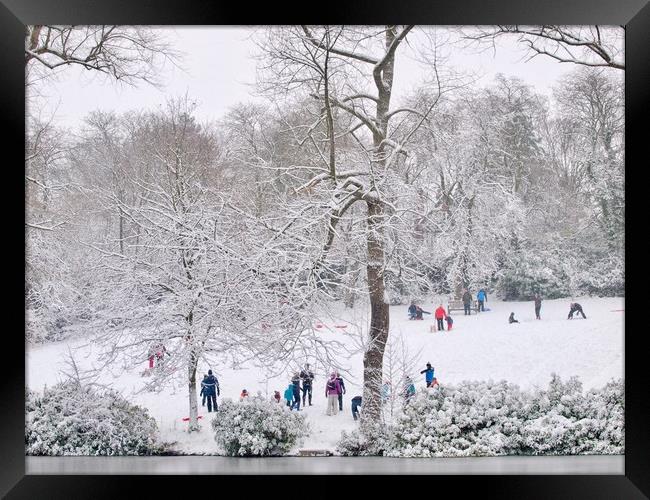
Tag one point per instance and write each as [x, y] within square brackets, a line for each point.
[15, 14]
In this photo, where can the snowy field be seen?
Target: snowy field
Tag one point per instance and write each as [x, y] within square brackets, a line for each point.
[479, 347]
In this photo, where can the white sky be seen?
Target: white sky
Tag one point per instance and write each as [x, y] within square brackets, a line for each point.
[219, 72]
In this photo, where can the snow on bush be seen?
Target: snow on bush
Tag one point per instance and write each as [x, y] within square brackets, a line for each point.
[72, 419]
[257, 428]
[489, 419]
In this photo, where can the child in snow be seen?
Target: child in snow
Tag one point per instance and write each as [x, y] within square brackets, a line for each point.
[295, 381]
[413, 309]
[204, 392]
[428, 375]
[574, 307]
[512, 319]
[243, 396]
[332, 391]
[356, 403]
[450, 322]
[276, 397]
[288, 395]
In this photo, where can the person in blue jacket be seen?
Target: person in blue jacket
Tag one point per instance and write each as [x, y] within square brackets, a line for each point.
[212, 390]
[428, 377]
[481, 296]
[288, 395]
[409, 390]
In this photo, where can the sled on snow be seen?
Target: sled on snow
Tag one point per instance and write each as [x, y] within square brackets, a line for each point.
[187, 419]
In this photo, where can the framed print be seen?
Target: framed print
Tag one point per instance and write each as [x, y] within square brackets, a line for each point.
[322, 250]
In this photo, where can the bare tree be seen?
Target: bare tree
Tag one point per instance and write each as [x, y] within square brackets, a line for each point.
[599, 46]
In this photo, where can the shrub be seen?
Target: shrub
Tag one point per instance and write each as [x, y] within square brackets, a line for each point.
[71, 419]
[257, 428]
[490, 419]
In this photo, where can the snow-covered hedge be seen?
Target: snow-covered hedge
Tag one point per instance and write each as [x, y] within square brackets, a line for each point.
[534, 272]
[257, 428]
[71, 419]
[488, 419]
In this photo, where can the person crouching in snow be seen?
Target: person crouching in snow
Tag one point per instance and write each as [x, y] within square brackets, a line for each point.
[574, 307]
[450, 322]
[440, 316]
[512, 319]
[332, 391]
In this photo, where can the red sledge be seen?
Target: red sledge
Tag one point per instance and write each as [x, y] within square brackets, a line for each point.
[187, 419]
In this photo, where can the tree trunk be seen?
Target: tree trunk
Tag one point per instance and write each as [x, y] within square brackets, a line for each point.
[194, 412]
[379, 322]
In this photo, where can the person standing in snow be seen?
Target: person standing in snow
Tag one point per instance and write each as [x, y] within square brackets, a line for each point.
[574, 307]
[212, 390]
[440, 315]
[276, 397]
[538, 305]
[356, 402]
[409, 389]
[340, 381]
[467, 302]
[413, 311]
[288, 395]
[332, 391]
[203, 393]
[243, 396]
[307, 377]
[385, 392]
[481, 296]
[511, 318]
[428, 375]
[296, 391]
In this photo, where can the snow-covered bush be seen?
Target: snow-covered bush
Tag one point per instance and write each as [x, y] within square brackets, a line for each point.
[257, 428]
[72, 419]
[604, 278]
[488, 419]
[355, 444]
[533, 272]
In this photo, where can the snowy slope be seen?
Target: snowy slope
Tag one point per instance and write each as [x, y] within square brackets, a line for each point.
[479, 347]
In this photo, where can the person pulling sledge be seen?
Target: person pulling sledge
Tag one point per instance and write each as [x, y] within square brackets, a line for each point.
[574, 307]
[511, 318]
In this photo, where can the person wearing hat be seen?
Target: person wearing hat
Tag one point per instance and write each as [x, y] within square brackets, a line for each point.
[428, 375]
[211, 390]
[243, 396]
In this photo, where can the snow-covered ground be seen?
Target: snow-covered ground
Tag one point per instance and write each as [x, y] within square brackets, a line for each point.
[479, 347]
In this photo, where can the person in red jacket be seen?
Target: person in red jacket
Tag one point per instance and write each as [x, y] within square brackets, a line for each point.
[440, 314]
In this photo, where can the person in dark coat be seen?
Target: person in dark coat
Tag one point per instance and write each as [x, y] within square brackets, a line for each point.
[467, 302]
[296, 391]
[307, 377]
[512, 319]
[203, 393]
[340, 379]
[413, 311]
[538, 305]
[356, 402]
[212, 390]
[576, 308]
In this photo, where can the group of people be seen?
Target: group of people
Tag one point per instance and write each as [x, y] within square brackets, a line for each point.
[481, 299]
[441, 315]
[574, 308]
